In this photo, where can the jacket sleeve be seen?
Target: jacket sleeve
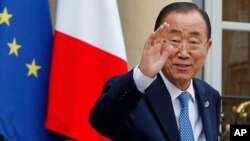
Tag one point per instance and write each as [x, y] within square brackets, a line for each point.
[120, 96]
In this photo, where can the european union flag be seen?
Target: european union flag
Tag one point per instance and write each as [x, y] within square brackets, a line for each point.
[25, 53]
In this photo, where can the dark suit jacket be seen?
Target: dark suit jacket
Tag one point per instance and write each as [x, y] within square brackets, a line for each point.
[123, 113]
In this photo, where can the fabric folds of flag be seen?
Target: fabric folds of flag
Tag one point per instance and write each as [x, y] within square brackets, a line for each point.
[25, 53]
[88, 49]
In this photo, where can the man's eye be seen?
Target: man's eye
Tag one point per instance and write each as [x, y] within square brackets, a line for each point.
[175, 41]
[193, 42]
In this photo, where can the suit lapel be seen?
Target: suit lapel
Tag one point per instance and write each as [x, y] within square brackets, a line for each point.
[161, 103]
[204, 108]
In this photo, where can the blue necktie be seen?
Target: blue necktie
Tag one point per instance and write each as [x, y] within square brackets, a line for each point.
[185, 128]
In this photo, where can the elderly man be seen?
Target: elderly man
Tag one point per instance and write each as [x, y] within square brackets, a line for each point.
[160, 100]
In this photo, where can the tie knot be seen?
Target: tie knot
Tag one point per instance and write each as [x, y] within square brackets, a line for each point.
[184, 98]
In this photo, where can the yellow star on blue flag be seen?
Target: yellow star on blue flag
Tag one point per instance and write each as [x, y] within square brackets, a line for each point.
[33, 68]
[5, 17]
[14, 47]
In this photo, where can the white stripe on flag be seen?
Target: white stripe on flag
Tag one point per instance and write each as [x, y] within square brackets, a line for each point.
[107, 37]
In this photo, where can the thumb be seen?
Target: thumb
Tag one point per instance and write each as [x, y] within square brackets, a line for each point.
[166, 51]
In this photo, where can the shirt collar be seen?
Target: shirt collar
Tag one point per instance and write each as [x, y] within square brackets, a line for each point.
[174, 91]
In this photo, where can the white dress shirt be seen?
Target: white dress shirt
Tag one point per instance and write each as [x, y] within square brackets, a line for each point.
[142, 83]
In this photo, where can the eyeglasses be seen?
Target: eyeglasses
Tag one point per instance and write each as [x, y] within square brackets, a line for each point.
[192, 45]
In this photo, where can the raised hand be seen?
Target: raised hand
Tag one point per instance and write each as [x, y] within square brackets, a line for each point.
[155, 52]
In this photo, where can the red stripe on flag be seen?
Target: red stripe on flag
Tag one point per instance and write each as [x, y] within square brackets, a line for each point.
[78, 73]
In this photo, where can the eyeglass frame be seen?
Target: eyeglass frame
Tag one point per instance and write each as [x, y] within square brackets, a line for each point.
[176, 44]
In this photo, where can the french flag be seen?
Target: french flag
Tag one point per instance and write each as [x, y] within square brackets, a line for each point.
[88, 49]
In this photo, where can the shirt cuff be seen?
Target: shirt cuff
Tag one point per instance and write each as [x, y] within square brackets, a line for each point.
[142, 81]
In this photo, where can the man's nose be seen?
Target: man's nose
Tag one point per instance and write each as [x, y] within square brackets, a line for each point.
[184, 51]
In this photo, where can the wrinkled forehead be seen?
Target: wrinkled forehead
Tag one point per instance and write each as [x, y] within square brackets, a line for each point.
[191, 23]
[179, 31]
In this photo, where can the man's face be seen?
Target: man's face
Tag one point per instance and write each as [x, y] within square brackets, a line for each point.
[188, 36]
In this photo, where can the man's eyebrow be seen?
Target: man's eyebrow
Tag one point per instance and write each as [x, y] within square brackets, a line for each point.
[176, 31]
[195, 33]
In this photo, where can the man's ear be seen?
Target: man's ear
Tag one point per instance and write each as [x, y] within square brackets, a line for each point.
[209, 44]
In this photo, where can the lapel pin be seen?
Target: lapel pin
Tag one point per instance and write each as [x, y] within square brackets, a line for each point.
[206, 104]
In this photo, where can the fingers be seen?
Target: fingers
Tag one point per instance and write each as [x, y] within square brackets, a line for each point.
[162, 30]
[157, 37]
[149, 41]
